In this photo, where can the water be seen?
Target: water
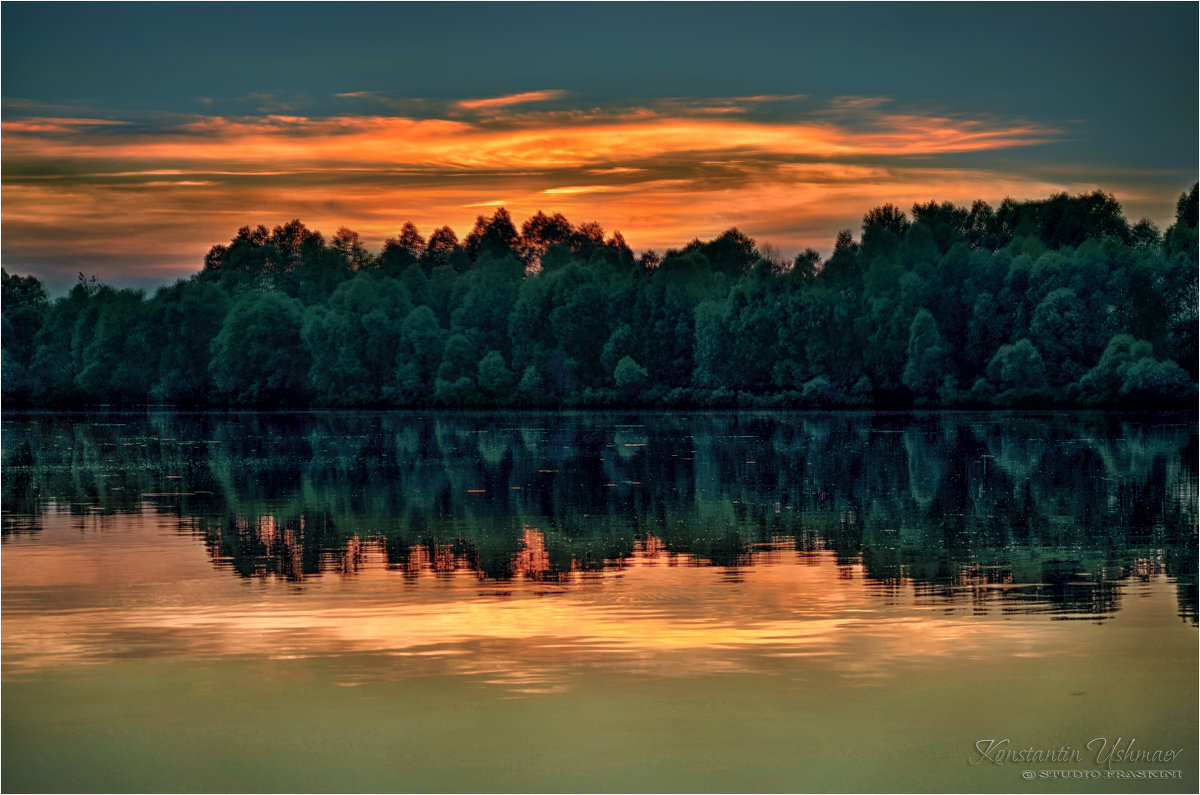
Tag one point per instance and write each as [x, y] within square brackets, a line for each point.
[598, 602]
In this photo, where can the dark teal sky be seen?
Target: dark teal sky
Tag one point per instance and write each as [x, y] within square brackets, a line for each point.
[1126, 71]
[1116, 82]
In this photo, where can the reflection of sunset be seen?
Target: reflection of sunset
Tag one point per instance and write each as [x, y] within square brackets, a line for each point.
[789, 607]
[533, 560]
[520, 549]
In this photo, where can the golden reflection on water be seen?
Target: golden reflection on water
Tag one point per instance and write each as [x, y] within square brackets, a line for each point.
[91, 589]
[362, 602]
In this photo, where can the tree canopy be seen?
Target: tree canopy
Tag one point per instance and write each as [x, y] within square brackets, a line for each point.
[1052, 302]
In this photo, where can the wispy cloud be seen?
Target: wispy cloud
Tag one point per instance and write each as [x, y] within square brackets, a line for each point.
[771, 98]
[511, 99]
[615, 170]
[662, 173]
[599, 142]
[570, 190]
[858, 103]
[51, 124]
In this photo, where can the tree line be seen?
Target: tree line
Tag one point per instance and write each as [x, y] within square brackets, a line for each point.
[1053, 302]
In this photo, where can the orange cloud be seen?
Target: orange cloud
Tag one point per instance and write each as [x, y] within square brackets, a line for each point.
[614, 170]
[46, 125]
[381, 141]
[858, 103]
[573, 189]
[511, 99]
[82, 190]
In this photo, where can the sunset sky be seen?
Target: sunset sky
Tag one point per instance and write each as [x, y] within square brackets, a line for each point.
[137, 136]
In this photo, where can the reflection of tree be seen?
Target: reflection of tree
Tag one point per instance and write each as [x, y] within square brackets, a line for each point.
[23, 500]
[292, 549]
[1014, 512]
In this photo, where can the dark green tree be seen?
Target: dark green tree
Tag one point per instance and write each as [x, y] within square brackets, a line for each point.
[925, 367]
[495, 380]
[1018, 374]
[259, 356]
[630, 377]
[25, 307]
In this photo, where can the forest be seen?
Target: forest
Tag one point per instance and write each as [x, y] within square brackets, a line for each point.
[1058, 302]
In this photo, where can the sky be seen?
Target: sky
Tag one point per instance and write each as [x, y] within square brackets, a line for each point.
[133, 137]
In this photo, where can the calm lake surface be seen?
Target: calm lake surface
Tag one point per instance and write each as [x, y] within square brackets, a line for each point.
[599, 602]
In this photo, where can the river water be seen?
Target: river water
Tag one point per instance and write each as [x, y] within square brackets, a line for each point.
[672, 602]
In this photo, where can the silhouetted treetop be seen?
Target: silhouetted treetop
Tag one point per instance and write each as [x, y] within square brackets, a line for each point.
[1057, 301]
